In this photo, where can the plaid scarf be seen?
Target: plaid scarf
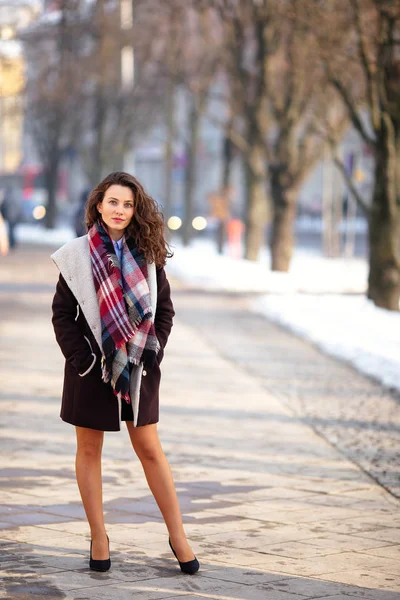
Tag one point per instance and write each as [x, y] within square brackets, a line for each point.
[128, 334]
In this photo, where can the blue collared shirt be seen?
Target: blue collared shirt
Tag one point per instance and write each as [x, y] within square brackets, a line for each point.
[118, 249]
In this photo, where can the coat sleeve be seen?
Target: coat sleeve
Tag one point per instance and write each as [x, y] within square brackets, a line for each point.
[69, 336]
[165, 310]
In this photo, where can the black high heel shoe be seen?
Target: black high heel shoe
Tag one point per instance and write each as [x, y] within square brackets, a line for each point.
[100, 565]
[190, 567]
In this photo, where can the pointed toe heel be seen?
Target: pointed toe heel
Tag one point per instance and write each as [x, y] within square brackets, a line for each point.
[100, 565]
[190, 567]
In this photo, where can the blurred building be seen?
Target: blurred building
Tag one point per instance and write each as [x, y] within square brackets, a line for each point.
[14, 14]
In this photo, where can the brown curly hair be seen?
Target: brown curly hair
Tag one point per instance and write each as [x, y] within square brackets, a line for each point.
[147, 226]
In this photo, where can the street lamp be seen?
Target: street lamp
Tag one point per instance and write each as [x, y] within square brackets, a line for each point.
[127, 68]
[7, 32]
[127, 56]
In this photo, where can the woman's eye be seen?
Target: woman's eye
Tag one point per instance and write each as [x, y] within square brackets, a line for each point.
[128, 205]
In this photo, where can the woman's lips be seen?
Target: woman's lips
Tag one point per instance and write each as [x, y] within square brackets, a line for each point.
[118, 220]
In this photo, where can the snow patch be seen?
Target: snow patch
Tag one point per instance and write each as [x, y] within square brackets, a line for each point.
[38, 234]
[351, 328]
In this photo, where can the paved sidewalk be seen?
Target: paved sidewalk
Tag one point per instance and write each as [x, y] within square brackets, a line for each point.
[354, 413]
[273, 511]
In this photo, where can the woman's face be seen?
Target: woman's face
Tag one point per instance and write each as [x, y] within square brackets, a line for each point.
[116, 209]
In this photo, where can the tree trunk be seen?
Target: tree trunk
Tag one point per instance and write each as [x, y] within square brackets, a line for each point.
[256, 202]
[169, 148]
[384, 273]
[99, 97]
[282, 236]
[97, 161]
[51, 179]
[227, 158]
[190, 173]
[327, 203]
[337, 218]
[384, 227]
[350, 226]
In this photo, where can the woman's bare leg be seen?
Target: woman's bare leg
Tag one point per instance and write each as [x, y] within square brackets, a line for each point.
[88, 476]
[148, 448]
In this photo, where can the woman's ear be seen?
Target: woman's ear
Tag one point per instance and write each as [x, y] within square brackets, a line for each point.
[98, 206]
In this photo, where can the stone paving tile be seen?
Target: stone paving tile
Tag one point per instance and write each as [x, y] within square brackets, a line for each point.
[24, 589]
[337, 597]
[126, 591]
[357, 528]
[33, 518]
[373, 594]
[386, 535]
[317, 588]
[349, 542]
[26, 567]
[385, 552]
[45, 539]
[208, 529]
[370, 518]
[244, 576]
[337, 562]
[52, 584]
[4, 525]
[299, 550]
[265, 535]
[10, 510]
[63, 560]
[272, 595]
[269, 494]
[365, 578]
[318, 566]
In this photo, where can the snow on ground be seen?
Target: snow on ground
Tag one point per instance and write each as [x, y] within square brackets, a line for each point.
[38, 234]
[321, 300]
[200, 266]
[351, 328]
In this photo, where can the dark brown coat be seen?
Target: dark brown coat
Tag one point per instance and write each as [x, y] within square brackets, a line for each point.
[86, 400]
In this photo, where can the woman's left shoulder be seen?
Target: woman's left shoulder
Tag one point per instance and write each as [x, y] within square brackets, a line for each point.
[161, 273]
[72, 248]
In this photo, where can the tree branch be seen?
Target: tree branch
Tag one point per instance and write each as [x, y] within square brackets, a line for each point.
[364, 61]
[237, 139]
[350, 184]
[355, 119]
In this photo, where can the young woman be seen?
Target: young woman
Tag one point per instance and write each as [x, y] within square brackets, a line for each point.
[112, 315]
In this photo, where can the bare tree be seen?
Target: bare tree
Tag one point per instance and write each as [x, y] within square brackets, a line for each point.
[52, 95]
[294, 96]
[115, 112]
[246, 46]
[363, 66]
[196, 74]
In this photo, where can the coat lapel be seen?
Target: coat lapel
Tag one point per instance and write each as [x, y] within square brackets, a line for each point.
[74, 263]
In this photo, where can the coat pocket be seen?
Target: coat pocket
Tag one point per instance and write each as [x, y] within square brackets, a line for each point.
[90, 362]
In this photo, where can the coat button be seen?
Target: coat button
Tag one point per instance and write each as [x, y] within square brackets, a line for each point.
[144, 373]
[94, 327]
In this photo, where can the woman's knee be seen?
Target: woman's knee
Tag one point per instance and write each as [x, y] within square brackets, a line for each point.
[146, 443]
[149, 452]
[89, 443]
